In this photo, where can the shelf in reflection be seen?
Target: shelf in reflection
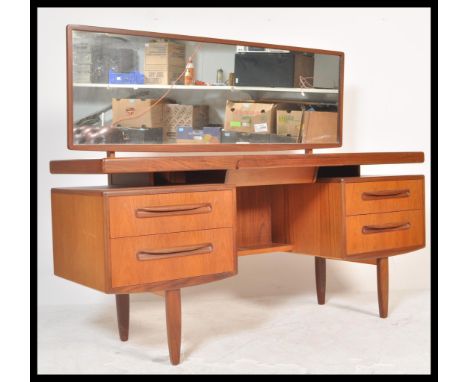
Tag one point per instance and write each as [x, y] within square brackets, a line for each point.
[208, 87]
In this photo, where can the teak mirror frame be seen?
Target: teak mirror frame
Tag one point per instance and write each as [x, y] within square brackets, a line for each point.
[187, 147]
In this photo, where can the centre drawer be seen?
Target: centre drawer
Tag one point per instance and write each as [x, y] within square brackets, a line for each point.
[135, 215]
[155, 258]
[385, 195]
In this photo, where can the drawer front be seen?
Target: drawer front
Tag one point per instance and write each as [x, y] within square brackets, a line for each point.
[381, 232]
[136, 215]
[384, 196]
[154, 258]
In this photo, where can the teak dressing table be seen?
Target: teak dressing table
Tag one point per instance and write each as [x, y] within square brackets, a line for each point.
[168, 222]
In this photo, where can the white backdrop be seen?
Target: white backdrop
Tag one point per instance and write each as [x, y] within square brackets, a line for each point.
[386, 108]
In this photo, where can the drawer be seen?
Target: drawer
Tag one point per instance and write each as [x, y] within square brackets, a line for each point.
[135, 215]
[386, 231]
[153, 258]
[384, 196]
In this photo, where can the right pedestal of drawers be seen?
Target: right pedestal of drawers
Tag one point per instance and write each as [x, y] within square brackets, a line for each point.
[383, 215]
[363, 219]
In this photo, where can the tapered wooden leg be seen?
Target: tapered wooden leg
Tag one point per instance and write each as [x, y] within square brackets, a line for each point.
[382, 286]
[173, 324]
[123, 314]
[320, 279]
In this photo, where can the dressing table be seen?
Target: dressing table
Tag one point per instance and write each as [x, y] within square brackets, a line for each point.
[170, 221]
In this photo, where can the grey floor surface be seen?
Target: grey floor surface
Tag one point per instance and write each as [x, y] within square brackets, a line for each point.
[225, 334]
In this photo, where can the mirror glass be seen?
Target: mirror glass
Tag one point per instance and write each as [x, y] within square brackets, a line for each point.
[142, 90]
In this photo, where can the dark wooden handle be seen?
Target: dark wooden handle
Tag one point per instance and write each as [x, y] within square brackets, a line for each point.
[156, 254]
[185, 209]
[385, 194]
[367, 229]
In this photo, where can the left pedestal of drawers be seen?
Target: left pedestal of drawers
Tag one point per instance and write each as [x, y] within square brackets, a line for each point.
[125, 240]
[146, 239]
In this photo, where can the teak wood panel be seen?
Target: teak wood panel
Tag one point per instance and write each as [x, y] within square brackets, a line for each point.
[253, 216]
[384, 196]
[167, 213]
[356, 178]
[79, 238]
[315, 219]
[173, 284]
[270, 176]
[317, 224]
[279, 215]
[385, 231]
[262, 248]
[187, 147]
[108, 191]
[186, 163]
[128, 270]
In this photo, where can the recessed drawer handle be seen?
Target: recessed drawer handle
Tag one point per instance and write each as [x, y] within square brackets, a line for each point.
[156, 254]
[386, 194]
[367, 229]
[185, 209]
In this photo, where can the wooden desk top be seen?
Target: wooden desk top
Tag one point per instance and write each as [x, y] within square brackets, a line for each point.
[120, 165]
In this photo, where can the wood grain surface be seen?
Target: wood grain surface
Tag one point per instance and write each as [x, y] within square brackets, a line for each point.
[78, 230]
[122, 302]
[127, 270]
[382, 286]
[125, 219]
[384, 196]
[220, 162]
[315, 219]
[253, 216]
[359, 242]
[270, 176]
[320, 279]
[173, 324]
[173, 284]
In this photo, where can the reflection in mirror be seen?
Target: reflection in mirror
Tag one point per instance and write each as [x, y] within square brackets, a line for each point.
[140, 90]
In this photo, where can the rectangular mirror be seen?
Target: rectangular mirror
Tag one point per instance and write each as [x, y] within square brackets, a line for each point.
[143, 91]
